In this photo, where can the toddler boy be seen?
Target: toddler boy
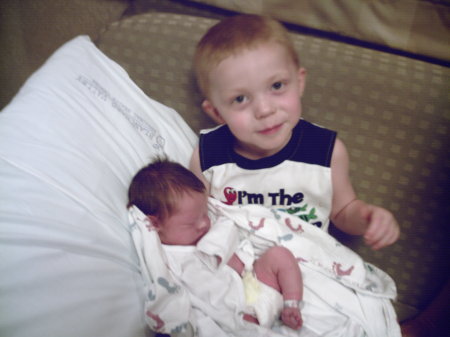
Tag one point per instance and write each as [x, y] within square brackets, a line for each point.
[264, 152]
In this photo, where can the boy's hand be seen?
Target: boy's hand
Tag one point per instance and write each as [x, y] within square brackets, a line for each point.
[382, 228]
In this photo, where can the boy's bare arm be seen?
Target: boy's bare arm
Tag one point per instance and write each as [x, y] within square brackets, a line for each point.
[343, 193]
[354, 216]
[194, 166]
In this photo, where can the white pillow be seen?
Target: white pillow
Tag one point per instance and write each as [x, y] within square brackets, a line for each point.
[70, 142]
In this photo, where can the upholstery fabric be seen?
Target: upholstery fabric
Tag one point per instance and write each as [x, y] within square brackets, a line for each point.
[30, 31]
[416, 26]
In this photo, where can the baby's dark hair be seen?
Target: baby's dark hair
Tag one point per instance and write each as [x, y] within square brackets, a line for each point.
[155, 189]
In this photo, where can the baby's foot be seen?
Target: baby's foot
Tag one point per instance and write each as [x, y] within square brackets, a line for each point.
[292, 317]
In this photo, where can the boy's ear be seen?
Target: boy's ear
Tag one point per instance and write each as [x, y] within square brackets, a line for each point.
[212, 112]
[301, 77]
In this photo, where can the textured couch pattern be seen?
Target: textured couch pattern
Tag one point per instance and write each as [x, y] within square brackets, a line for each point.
[30, 30]
[400, 24]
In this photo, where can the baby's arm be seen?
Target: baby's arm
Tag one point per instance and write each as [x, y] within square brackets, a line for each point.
[195, 167]
[354, 216]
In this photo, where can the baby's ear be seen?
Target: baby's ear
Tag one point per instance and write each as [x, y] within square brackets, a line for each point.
[155, 223]
[212, 112]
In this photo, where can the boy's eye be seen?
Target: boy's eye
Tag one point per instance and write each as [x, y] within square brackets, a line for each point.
[277, 85]
[239, 99]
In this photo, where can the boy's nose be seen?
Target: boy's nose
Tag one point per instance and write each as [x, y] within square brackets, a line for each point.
[264, 108]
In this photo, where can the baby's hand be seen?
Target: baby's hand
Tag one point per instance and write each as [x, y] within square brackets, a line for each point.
[292, 317]
[382, 230]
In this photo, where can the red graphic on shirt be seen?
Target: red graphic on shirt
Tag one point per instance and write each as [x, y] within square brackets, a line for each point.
[230, 195]
[337, 267]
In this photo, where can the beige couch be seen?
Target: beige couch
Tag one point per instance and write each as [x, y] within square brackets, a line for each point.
[31, 30]
[388, 98]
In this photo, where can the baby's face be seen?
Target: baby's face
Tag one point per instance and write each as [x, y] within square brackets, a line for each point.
[257, 93]
[190, 221]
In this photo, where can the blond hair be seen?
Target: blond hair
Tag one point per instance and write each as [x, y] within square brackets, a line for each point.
[233, 35]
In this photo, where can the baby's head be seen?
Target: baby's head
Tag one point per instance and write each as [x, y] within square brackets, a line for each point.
[233, 35]
[174, 199]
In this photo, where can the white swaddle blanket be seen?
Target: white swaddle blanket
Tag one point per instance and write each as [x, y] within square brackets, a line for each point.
[343, 295]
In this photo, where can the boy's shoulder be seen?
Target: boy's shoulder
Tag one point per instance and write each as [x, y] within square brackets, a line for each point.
[311, 132]
[219, 129]
[314, 143]
[217, 137]
[215, 145]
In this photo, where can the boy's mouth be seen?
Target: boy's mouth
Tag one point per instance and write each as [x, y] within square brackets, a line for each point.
[270, 130]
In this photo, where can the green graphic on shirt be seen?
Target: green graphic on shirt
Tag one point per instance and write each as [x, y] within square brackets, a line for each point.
[303, 213]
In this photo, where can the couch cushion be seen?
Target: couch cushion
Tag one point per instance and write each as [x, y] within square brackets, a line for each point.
[416, 26]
